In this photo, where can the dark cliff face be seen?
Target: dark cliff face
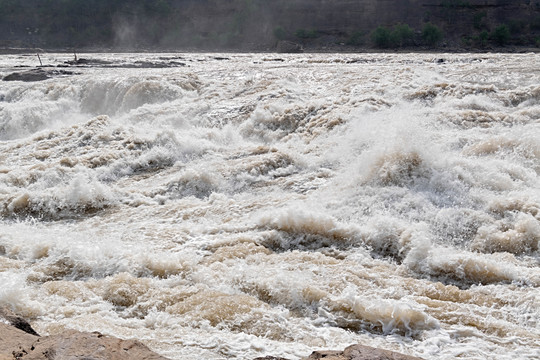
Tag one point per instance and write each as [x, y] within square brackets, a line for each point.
[350, 15]
[336, 20]
[252, 24]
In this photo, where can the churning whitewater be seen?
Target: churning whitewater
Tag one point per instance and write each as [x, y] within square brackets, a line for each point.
[240, 205]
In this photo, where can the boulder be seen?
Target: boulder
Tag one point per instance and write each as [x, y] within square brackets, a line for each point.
[360, 352]
[353, 352]
[327, 354]
[30, 75]
[25, 344]
[83, 61]
[35, 75]
[14, 341]
[73, 344]
[10, 318]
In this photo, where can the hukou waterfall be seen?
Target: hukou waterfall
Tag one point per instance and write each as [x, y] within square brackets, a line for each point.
[234, 206]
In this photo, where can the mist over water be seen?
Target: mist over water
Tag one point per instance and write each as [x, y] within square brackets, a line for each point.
[244, 205]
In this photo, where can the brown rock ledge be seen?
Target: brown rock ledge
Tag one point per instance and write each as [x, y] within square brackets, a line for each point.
[18, 341]
[37, 74]
[353, 352]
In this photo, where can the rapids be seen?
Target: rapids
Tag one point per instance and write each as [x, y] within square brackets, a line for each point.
[238, 205]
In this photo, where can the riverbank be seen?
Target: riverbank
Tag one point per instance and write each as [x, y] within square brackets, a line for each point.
[330, 48]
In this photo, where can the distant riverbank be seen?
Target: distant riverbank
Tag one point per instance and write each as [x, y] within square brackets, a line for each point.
[336, 49]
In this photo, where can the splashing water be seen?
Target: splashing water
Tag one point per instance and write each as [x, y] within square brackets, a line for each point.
[245, 207]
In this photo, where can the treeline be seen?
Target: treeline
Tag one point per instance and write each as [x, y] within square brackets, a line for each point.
[402, 35]
[382, 37]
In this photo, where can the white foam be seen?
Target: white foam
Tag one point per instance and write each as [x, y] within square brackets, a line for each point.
[247, 207]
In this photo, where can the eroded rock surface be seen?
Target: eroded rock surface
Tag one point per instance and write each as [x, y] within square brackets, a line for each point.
[10, 318]
[25, 344]
[353, 352]
[360, 352]
[35, 75]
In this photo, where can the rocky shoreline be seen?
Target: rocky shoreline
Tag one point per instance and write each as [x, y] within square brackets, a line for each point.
[329, 48]
[19, 341]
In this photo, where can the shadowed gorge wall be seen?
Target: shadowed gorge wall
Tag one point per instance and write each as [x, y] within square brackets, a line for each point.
[249, 24]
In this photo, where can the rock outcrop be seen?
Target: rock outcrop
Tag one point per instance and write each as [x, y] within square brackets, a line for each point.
[353, 352]
[35, 75]
[360, 352]
[18, 341]
[10, 318]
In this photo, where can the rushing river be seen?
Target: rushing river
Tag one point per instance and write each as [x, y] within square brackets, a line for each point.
[221, 206]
